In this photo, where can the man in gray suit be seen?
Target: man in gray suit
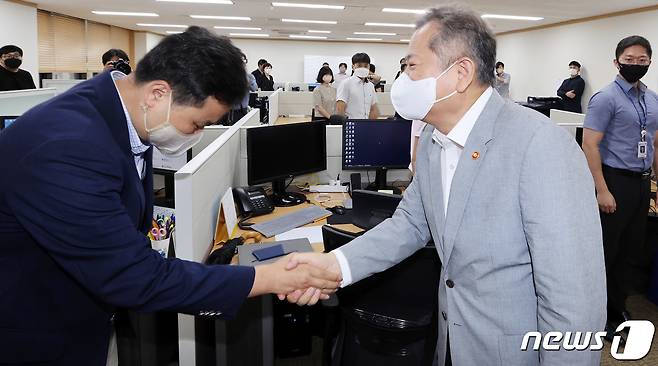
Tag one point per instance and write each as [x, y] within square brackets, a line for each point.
[506, 196]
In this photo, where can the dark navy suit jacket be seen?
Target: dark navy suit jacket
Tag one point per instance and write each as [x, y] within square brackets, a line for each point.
[73, 213]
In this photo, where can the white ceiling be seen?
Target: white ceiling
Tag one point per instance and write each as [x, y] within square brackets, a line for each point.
[350, 20]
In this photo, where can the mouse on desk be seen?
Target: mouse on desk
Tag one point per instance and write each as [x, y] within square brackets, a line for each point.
[338, 210]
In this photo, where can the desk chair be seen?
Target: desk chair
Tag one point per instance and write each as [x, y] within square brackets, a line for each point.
[389, 318]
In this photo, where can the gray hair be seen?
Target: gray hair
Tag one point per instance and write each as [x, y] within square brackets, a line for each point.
[462, 33]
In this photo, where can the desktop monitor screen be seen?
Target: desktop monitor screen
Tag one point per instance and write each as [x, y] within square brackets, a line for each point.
[283, 151]
[375, 144]
[6, 121]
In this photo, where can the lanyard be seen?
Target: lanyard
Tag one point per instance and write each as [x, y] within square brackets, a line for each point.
[643, 125]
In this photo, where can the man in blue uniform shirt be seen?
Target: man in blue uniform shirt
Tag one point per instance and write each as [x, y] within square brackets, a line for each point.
[619, 142]
[76, 202]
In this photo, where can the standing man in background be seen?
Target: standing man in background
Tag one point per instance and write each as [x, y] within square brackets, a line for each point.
[356, 97]
[571, 90]
[403, 65]
[259, 74]
[619, 141]
[11, 76]
[341, 76]
[112, 56]
[502, 80]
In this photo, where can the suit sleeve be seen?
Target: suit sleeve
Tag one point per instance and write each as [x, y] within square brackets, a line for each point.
[563, 231]
[391, 241]
[580, 88]
[67, 196]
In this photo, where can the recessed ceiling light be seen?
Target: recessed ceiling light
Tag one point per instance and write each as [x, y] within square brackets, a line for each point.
[511, 17]
[405, 40]
[161, 25]
[124, 13]
[320, 31]
[309, 21]
[298, 36]
[219, 17]
[248, 35]
[363, 39]
[239, 28]
[405, 11]
[221, 2]
[374, 34]
[174, 32]
[397, 25]
[309, 6]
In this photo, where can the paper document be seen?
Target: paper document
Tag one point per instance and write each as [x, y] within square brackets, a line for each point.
[313, 234]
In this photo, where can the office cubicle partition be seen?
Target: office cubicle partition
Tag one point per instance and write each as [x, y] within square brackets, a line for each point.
[274, 100]
[302, 103]
[567, 120]
[199, 187]
[17, 102]
[60, 85]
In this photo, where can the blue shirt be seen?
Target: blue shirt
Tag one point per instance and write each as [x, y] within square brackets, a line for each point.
[619, 112]
[253, 86]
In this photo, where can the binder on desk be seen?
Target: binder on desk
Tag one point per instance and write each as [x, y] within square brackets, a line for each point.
[289, 246]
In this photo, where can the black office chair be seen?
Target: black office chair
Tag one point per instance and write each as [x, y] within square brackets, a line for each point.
[389, 318]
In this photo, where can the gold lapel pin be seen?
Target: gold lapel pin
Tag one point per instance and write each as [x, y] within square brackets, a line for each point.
[475, 155]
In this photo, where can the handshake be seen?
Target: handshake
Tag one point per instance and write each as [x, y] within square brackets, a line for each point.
[301, 278]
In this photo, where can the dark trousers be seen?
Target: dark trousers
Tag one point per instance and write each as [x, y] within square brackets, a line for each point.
[623, 235]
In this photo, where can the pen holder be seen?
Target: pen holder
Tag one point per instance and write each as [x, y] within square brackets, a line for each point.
[161, 246]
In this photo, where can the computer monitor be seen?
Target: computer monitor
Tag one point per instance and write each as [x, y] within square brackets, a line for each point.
[277, 153]
[377, 145]
[6, 121]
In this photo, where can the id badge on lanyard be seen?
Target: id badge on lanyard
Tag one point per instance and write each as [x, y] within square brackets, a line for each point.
[642, 145]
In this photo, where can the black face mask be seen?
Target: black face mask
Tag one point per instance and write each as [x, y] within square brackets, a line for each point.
[633, 73]
[13, 63]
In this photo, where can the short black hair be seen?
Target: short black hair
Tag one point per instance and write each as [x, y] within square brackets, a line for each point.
[342, 64]
[499, 64]
[267, 64]
[325, 64]
[114, 52]
[630, 42]
[197, 64]
[575, 63]
[324, 71]
[10, 48]
[372, 68]
[261, 62]
[360, 58]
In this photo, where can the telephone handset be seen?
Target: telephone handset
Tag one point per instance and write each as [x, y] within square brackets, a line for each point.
[252, 201]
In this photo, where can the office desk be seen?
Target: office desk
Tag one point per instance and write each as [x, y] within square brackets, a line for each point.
[289, 120]
[249, 338]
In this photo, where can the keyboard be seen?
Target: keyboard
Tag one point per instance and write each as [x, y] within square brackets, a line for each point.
[328, 189]
[291, 221]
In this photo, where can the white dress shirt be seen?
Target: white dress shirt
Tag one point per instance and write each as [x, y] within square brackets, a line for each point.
[359, 97]
[452, 145]
[137, 147]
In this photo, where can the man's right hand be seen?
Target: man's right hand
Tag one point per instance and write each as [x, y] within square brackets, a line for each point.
[325, 261]
[607, 203]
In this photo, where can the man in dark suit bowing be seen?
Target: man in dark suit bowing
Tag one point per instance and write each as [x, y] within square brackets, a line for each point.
[76, 202]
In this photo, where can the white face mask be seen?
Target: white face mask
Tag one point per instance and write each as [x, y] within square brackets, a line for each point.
[268, 71]
[573, 72]
[167, 138]
[413, 99]
[361, 72]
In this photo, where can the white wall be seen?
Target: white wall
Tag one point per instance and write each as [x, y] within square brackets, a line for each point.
[538, 60]
[144, 42]
[287, 57]
[18, 26]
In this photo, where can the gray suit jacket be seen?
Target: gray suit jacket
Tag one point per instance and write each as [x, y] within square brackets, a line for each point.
[521, 240]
